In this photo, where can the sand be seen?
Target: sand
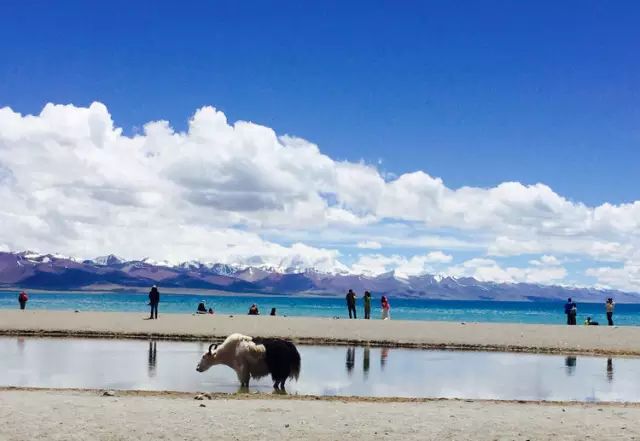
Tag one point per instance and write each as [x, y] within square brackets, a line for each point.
[479, 336]
[73, 415]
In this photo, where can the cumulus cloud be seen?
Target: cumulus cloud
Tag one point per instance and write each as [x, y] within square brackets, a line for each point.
[625, 277]
[376, 264]
[71, 181]
[489, 270]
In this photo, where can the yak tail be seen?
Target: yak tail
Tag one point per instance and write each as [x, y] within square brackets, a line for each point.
[295, 362]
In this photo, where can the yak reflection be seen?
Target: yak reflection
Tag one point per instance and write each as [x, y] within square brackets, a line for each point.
[609, 370]
[570, 365]
[152, 359]
[351, 359]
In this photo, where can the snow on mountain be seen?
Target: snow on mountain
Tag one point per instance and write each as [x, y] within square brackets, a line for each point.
[110, 259]
[51, 271]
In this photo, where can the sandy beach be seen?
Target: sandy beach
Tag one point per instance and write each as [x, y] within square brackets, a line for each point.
[474, 336]
[76, 415]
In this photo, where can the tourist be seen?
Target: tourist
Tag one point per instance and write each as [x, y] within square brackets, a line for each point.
[589, 322]
[23, 298]
[202, 309]
[154, 299]
[273, 311]
[211, 311]
[571, 310]
[367, 305]
[386, 308]
[351, 303]
[610, 306]
[254, 310]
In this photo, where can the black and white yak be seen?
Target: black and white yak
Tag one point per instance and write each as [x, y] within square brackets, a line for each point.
[255, 358]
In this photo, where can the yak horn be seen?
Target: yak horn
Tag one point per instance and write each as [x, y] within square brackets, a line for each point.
[212, 346]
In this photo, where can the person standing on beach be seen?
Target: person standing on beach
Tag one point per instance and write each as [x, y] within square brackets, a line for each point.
[386, 308]
[154, 299]
[367, 305]
[571, 310]
[610, 306]
[23, 298]
[351, 303]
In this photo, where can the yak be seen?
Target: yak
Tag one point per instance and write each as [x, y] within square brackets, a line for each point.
[255, 358]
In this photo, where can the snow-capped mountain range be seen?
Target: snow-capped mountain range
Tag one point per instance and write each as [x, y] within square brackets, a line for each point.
[56, 272]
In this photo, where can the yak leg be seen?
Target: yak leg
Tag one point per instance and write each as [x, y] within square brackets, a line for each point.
[243, 375]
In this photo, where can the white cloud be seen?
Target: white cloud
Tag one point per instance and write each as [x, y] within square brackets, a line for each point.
[625, 277]
[376, 264]
[70, 181]
[546, 260]
[489, 270]
[369, 244]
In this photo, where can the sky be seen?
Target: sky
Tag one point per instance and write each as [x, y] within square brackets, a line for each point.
[493, 139]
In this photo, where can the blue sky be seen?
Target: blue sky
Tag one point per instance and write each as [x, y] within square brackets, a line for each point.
[475, 93]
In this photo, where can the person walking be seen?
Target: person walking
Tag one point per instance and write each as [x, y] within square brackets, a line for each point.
[154, 299]
[351, 303]
[367, 305]
[23, 298]
[386, 308]
[610, 306]
[571, 310]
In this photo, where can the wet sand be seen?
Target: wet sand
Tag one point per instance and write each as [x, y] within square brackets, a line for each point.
[78, 415]
[442, 335]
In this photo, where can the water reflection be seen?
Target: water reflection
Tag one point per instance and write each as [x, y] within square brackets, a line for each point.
[20, 342]
[384, 353]
[152, 359]
[570, 365]
[365, 361]
[351, 359]
[326, 370]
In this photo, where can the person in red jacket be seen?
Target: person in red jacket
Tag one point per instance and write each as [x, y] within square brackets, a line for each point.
[23, 298]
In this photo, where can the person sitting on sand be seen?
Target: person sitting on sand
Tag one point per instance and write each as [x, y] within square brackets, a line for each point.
[254, 310]
[589, 322]
[386, 308]
[202, 309]
[211, 311]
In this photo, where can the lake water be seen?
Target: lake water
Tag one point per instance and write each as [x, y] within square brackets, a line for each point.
[404, 309]
[326, 370]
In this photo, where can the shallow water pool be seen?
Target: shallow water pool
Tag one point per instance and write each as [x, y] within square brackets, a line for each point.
[326, 370]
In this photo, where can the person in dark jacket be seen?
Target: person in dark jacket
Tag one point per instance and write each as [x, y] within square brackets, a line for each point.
[154, 299]
[23, 298]
[351, 303]
[367, 305]
[571, 310]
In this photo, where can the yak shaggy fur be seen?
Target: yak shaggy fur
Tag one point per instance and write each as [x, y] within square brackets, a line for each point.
[255, 358]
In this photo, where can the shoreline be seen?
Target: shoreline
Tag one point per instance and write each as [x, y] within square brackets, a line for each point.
[305, 295]
[173, 291]
[72, 414]
[503, 337]
[171, 394]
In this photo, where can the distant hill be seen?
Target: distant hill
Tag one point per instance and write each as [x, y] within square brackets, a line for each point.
[50, 271]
